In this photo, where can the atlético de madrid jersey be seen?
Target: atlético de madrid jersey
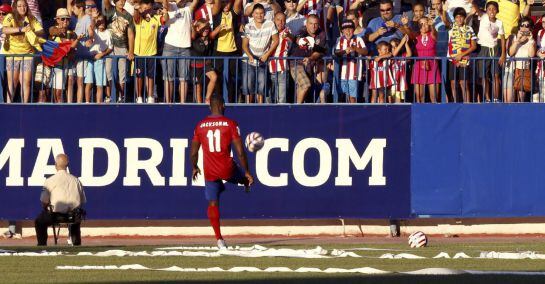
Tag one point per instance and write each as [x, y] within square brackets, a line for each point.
[216, 133]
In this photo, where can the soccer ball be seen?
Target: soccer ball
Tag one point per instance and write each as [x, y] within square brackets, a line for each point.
[254, 141]
[418, 239]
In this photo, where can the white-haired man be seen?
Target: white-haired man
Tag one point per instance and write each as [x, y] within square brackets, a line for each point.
[64, 193]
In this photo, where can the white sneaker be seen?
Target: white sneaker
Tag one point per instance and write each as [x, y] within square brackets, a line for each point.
[69, 241]
[151, 100]
[139, 100]
[221, 244]
[107, 100]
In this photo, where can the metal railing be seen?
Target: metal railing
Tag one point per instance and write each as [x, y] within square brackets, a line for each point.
[483, 80]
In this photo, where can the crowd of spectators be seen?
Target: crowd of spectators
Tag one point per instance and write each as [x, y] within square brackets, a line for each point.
[279, 51]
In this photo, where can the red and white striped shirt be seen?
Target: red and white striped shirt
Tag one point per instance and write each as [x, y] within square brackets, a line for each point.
[284, 45]
[351, 67]
[399, 72]
[381, 74]
[205, 12]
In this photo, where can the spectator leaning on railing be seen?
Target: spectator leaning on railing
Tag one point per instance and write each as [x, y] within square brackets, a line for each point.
[491, 38]
[462, 42]
[202, 47]
[518, 75]
[279, 67]
[312, 45]
[400, 48]
[426, 72]
[62, 73]
[147, 25]
[177, 44]
[224, 36]
[349, 47]
[102, 46]
[121, 26]
[85, 30]
[22, 32]
[259, 42]
[380, 73]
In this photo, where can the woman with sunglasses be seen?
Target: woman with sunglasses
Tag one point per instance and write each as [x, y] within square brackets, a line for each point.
[21, 29]
[518, 75]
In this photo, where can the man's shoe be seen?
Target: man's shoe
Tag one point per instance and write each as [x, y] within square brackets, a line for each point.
[221, 244]
[139, 100]
[151, 100]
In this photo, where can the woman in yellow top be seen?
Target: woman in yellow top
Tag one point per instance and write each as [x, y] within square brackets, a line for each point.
[22, 30]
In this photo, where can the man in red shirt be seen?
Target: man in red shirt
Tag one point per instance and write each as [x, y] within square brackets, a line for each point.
[216, 133]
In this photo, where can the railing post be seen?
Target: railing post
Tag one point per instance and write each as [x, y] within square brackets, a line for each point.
[444, 79]
[2, 73]
[226, 79]
[336, 83]
[115, 78]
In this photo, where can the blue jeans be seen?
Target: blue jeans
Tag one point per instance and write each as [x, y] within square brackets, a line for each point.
[278, 87]
[253, 79]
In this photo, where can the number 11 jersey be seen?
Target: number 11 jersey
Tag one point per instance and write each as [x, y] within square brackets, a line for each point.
[216, 133]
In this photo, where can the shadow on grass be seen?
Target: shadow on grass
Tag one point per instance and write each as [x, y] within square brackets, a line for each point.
[397, 279]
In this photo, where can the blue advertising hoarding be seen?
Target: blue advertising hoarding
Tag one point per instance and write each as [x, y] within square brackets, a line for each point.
[478, 160]
[318, 161]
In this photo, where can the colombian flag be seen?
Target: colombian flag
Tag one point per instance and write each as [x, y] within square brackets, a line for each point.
[53, 52]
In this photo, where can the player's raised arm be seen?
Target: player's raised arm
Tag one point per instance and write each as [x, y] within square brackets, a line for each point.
[239, 149]
[194, 155]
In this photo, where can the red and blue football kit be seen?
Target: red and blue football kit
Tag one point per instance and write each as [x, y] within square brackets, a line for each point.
[215, 133]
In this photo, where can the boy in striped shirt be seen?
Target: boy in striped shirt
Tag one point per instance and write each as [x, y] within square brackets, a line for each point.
[349, 47]
[279, 67]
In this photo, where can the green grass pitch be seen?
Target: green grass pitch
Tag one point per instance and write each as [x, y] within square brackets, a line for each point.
[26, 269]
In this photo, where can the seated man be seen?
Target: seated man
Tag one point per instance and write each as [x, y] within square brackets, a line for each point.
[64, 193]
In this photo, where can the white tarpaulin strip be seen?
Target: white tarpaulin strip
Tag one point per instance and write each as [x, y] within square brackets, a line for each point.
[362, 270]
[261, 251]
[254, 251]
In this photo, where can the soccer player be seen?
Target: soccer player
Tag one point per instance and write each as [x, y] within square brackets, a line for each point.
[216, 133]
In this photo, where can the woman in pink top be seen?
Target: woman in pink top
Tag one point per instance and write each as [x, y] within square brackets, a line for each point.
[425, 72]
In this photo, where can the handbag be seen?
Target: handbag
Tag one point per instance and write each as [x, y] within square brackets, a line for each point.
[523, 79]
